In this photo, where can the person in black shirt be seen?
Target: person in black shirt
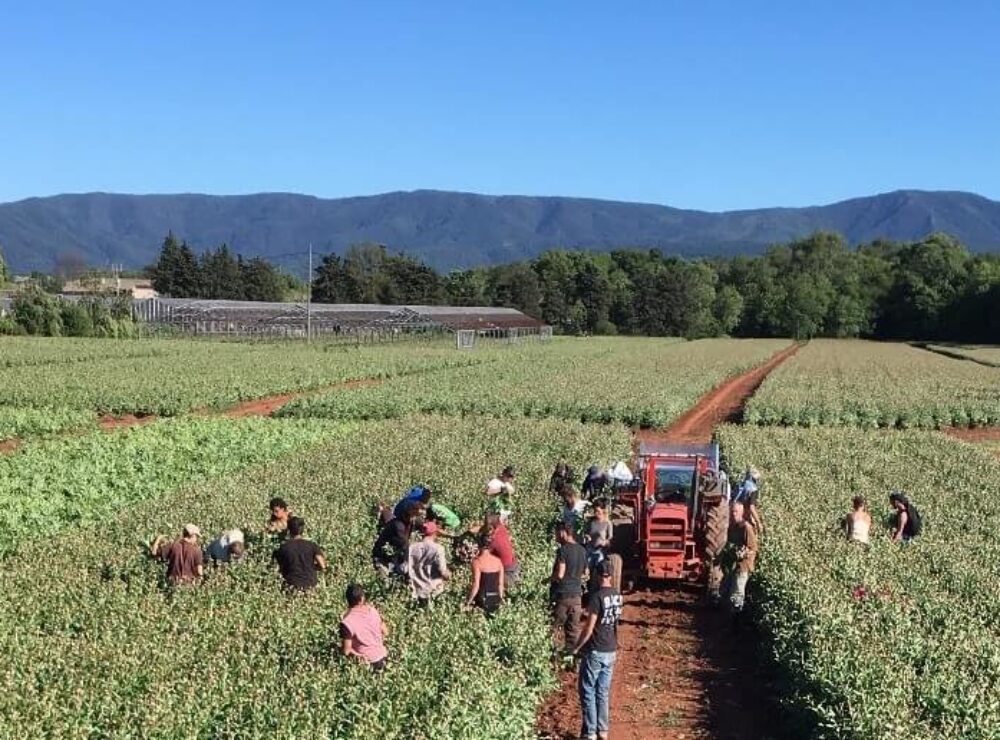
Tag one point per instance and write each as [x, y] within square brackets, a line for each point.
[568, 574]
[299, 560]
[599, 646]
[391, 550]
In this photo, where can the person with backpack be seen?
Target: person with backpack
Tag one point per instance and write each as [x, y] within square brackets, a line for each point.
[909, 523]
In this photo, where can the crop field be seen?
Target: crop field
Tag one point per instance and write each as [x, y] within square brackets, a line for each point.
[99, 644]
[892, 641]
[888, 642]
[980, 353]
[210, 375]
[634, 381]
[870, 384]
[83, 479]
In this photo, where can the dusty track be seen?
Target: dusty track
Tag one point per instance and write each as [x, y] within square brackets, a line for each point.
[269, 404]
[683, 671]
[255, 407]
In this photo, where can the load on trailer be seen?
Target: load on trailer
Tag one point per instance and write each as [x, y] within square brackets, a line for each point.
[671, 520]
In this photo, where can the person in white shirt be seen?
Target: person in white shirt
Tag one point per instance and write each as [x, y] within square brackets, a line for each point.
[227, 547]
[428, 565]
[501, 493]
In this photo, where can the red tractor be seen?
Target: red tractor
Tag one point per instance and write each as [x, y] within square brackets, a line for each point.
[670, 521]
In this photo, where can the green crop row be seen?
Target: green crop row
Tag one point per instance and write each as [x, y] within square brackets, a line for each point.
[872, 384]
[195, 374]
[891, 641]
[101, 649]
[34, 351]
[24, 422]
[83, 479]
[642, 382]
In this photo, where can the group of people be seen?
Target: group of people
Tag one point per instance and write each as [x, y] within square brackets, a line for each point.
[907, 520]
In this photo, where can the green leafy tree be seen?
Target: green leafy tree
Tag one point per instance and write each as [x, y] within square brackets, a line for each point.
[176, 272]
[5, 274]
[37, 313]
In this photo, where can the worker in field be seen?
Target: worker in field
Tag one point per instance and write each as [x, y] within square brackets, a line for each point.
[502, 546]
[909, 523]
[427, 566]
[486, 589]
[743, 541]
[562, 475]
[574, 511]
[597, 647]
[299, 560]
[500, 491]
[390, 553]
[858, 523]
[362, 631]
[184, 559]
[280, 514]
[445, 518]
[418, 497]
[228, 547]
[569, 572]
[599, 533]
[748, 494]
[595, 484]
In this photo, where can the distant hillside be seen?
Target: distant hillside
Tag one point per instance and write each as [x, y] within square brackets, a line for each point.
[456, 229]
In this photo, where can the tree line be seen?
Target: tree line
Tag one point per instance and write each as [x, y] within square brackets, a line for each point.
[818, 286]
[216, 273]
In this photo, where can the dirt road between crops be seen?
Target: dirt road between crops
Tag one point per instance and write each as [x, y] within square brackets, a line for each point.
[683, 670]
[269, 404]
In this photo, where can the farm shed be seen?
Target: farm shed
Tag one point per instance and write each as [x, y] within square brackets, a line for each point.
[350, 320]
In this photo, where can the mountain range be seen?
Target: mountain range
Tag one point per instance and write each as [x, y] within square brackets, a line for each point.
[448, 229]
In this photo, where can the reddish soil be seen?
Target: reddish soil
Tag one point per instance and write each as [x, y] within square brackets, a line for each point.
[269, 404]
[9, 446]
[109, 423]
[723, 403]
[684, 670]
[974, 434]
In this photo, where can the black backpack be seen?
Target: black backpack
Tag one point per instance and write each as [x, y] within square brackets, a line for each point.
[915, 521]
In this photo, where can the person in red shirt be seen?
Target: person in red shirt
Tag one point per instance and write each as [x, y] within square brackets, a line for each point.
[502, 546]
[362, 631]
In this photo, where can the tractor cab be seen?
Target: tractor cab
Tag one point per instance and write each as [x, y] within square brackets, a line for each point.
[657, 515]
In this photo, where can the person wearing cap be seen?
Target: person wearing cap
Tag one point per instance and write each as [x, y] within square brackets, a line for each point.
[299, 560]
[445, 517]
[748, 494]
[417, 497]
[280, 514]
[501, 493]
[362, 631]
[595, 482]
[185, 563]
[227, 547]
[598, 648]
[427, 565]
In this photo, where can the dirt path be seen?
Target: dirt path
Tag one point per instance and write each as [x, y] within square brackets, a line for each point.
[683, 671]
[269, 404]
[255, 407]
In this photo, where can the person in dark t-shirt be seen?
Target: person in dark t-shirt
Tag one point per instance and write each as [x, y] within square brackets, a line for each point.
[299, 560]
[391, 549]
[568, 574]
[599, 647]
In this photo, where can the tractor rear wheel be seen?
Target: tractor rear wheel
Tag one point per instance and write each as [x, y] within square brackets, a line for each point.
[716, 529]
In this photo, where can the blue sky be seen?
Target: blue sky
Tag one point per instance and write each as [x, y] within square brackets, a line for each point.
[693, 104]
